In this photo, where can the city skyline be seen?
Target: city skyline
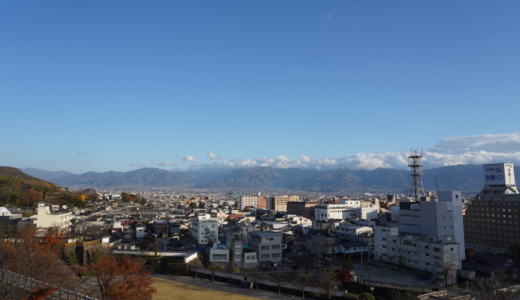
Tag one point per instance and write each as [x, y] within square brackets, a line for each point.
[121, 85]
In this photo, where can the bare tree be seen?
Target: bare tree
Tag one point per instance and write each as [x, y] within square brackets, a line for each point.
[447, 266]
[302, 280]
[279, 278]
[328, 280]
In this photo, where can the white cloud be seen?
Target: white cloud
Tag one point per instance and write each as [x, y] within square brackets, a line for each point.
[189, 159]
[493, 143]
[480, 149]
[212, 155]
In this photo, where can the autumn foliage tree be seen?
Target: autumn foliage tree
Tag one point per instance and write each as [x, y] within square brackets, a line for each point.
[36, 255]
[120, 279]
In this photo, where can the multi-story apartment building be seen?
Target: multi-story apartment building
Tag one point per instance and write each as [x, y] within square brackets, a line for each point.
[491, 221]
[279, 203]
[268, 246]
[248, 201]
[204, 229]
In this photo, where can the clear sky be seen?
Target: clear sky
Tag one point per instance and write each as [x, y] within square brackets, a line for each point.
[99, 85]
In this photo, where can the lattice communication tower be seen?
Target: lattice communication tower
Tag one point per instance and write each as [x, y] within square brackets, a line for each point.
[414, 162]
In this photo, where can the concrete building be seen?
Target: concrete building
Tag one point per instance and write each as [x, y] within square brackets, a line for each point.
[438, 218]
[47, 218]
[279, 203]
[300, 208]
[417, 252]
[491, 221]
[248, 201]
[204, 229]
[219, 254]
[428, 236]
[268, 246]
[336, 211]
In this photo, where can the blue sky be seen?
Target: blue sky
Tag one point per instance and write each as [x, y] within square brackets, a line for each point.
[98, 85]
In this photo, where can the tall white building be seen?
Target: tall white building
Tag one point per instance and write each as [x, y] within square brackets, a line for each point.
[441, 219]
[248, 201]
[429, 235]
[204, 229]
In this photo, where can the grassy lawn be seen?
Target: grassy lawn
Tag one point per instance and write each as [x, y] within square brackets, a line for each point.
[173, 290]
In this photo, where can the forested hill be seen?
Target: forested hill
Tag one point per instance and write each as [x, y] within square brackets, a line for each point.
[18, 189]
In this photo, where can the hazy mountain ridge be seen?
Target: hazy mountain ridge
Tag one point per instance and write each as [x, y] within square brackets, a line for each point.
[468, 178]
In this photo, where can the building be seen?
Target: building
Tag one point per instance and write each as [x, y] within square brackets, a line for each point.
[219, 254]
[336, 211]
[427, 254]
[268, 246]
[439, 218]
[491, 221]
[428, 236]
[248, 201]
[300, 208]
[52, 218]
[204, 229]
[279, 203]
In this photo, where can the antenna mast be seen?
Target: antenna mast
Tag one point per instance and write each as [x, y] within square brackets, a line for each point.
[414, 162]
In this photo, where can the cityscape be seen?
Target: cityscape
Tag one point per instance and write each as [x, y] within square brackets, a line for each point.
[266, 149]
[422, 244]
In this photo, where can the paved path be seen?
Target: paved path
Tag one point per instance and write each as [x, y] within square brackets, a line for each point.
[262, 294]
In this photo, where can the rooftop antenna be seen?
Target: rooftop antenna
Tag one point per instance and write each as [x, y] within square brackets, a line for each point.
[414, 162]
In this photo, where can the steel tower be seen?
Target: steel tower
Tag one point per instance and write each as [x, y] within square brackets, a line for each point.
[414, 162]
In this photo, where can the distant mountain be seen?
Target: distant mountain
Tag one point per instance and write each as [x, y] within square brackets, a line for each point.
[45, 175]
[262, 178]
[147, 177]
[468, 178]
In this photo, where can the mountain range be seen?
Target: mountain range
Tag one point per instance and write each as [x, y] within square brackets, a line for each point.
[467, 178]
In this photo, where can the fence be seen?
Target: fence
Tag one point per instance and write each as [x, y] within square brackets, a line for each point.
[30, 284]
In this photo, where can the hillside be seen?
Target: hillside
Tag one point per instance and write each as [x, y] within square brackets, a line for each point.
[22, 190]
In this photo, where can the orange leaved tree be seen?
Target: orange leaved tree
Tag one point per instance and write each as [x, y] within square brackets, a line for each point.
[122, 279]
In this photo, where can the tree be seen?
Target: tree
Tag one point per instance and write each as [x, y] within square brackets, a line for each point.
[37, 256]
[328, 280]
[29, 198]
[447, 265]
[279, 278]
[120, 279]
[302, 280]
[366, 296]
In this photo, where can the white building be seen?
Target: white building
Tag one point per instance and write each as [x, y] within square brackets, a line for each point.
[248, 201]
[420, 253]
[429, 235]
[350, 231]
[441, 219]
[336, 211]
[47, 219]
[268, 246]
[219, 254]
[204, 229]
